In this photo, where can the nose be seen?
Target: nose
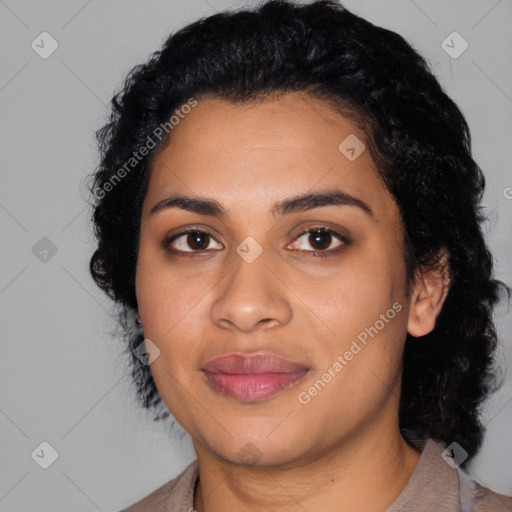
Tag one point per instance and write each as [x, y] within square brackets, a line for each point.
[251, 298]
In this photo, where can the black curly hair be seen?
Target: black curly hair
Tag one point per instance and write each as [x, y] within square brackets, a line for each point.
[417, 136]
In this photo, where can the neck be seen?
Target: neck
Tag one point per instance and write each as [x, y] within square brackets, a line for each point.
[365, 473]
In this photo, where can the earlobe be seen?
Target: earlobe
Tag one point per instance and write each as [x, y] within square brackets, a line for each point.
[428, 297]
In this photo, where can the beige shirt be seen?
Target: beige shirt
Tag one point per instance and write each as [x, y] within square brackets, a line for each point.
[434, 486]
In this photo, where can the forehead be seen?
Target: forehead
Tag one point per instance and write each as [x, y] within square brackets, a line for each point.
[248, 154]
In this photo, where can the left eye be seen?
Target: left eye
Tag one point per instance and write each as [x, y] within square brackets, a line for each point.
[320, 239]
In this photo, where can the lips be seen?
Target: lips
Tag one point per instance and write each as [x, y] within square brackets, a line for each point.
[252, 377]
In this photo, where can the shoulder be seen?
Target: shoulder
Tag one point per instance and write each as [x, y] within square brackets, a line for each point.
[175, 495]
[437, 483]
[489, 501]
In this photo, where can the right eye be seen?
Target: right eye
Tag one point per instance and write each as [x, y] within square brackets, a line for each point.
[191, 241]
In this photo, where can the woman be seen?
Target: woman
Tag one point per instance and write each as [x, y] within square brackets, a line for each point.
[288, 207]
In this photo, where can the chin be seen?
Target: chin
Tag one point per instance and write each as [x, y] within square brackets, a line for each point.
[258, 448]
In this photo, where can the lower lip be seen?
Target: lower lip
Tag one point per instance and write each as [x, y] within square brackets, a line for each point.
[253, 387]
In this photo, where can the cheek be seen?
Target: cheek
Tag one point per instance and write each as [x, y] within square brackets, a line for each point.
[361, 358]
[365, 308]
[171, 311]
[167, 301]
[353, 297]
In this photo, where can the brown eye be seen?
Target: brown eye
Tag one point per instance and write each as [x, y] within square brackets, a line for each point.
[191, 241]
[319, 240]
[198, 240]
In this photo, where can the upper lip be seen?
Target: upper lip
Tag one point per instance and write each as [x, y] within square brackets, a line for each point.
[254, 363]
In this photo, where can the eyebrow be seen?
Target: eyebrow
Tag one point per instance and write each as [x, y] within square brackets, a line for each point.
[300, 203]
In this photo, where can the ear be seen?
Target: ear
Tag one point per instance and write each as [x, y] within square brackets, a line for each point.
[427, 298]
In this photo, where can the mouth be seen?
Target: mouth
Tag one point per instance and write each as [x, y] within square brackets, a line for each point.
[252, 377]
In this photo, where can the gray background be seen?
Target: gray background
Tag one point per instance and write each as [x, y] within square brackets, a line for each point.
[63, 379]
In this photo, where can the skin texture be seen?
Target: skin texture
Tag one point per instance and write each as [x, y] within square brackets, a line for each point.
[342, 450]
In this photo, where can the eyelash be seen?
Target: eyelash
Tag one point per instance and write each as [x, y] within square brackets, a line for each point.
[166, 243]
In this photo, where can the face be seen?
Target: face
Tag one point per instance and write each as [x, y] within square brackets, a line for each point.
[296, 252]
